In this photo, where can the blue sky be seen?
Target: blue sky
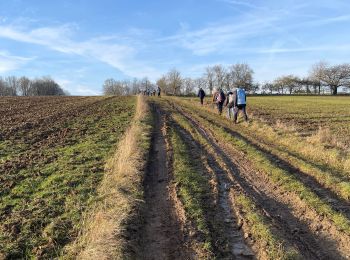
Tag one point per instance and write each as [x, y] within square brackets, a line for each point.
[80, 43]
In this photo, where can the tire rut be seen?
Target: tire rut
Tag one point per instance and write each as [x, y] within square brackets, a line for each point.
[161, 236]
[297, 232]
[337, 203]
[228, 239]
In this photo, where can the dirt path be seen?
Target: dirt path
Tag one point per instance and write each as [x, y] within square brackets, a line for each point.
[161, 235]
[281, 209]
[228, 239]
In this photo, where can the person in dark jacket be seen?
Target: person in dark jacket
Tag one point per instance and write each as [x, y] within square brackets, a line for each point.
[201, 95]
[219, 99]
[240, 103]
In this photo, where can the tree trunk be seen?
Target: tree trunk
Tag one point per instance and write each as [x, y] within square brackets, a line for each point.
[334, 90]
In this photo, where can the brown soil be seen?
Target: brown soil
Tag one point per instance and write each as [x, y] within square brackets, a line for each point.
[162, 236]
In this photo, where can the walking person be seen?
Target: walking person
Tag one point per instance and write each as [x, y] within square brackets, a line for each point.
[229, 103]
[240, 103]
[219, 99]
[201, 95]
[158, 91]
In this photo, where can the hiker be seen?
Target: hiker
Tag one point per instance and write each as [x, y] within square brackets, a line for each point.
[229, 103]
[219, 99]
[240, 103]
[201, 95]
[158, 91]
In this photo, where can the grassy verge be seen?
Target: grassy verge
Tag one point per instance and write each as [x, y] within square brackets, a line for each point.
[265, 138]
[119, 195]
[192, 186]
[279, 176]
[256, 223]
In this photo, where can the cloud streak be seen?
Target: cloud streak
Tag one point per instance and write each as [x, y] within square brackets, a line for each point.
[104, 49]
[10, 62]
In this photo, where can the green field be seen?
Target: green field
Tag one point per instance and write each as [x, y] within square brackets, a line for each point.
[307, 114]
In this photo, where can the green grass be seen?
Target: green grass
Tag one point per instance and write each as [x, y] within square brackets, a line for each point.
[306, 112]
[258, 225]
[193, 187]
[277, 175]
[42, 212]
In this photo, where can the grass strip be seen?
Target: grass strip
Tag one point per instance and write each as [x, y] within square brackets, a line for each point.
[259, 226]
[279, 176]
[192, 186]
[120, 196]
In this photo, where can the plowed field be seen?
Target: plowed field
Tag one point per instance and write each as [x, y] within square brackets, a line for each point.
[52, 157]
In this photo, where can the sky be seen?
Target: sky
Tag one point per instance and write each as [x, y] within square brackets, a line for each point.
[81, 43]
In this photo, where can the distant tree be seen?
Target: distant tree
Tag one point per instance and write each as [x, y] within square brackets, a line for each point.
[188, 86]
[12, 84]
[209, 76]
[219, 76]
[24, 86]
[333, 76]
[45, 87]
[114, 87]
[174, 81]
[200, 83]
[289, 82]
[162, 84]
[5, 90]
[268, 87]
[241, 75]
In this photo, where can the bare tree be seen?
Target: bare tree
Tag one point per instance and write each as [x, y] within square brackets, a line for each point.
[24, 86]
[209, 76]
[200, 83]
[113, 87]
[174, 81]
[162, 84]
[45, 87]
[12, 84]
[241, 75]
[219, 73]
[268, 87]
[289, 82]
[188, 86]
[333, 76]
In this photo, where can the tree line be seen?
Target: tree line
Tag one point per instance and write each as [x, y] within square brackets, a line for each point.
[23, 86]
[322, 78]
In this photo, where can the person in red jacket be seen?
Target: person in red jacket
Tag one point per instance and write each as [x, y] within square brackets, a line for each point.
[219, 99]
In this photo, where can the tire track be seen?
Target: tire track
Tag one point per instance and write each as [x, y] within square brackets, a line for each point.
[272, 201]
[161, 236]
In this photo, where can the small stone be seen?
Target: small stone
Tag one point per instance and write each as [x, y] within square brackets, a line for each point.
[246, 235]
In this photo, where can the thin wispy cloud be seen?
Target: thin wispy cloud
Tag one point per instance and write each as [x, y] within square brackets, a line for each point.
[82, 44]
[10, 62]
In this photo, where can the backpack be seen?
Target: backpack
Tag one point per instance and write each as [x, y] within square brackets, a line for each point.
[241, 97]
[231, 98]
[220, 97]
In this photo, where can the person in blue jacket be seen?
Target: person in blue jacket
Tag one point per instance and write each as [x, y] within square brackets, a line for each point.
[240, 103]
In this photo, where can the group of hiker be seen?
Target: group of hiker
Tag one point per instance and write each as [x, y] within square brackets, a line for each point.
[234, 100]
[150, 92]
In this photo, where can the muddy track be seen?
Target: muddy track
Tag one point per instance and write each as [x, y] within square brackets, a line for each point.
[337, 203]
[227, 237]
[161, 235]
[276, 205]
